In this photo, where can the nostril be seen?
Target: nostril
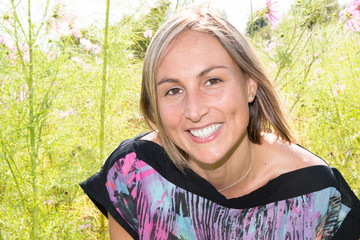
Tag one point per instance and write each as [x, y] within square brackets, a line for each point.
[196, 108]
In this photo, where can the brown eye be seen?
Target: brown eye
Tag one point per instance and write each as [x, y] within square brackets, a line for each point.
[174, 91]
[212, 81]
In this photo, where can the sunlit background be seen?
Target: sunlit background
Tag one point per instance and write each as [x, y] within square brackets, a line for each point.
[90, 12]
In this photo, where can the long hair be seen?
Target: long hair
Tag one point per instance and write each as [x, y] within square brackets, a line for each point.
[265, 112]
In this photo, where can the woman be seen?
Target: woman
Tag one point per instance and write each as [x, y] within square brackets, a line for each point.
[222, 163]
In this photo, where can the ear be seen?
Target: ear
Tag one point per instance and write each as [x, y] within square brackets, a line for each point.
[252, 86]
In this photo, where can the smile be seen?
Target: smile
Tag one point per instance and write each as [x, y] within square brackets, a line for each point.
[205, 132]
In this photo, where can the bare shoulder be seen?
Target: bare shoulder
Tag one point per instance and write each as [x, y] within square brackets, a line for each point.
[284, 157]
[152, 137]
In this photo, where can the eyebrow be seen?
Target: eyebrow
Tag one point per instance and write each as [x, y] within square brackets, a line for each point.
[201, 74]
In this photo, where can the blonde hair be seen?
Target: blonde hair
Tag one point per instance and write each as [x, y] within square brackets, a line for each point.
[265, 112]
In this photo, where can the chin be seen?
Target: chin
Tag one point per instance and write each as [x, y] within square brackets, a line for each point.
[206, 159]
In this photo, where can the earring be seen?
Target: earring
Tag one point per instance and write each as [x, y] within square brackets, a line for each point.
[252, 96]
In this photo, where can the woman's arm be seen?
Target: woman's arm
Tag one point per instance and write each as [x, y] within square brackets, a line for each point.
[116, 231]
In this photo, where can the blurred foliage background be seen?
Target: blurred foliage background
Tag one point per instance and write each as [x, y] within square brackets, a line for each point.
[51, 95]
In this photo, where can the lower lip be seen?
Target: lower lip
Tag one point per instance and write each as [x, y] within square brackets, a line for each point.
[207, 139]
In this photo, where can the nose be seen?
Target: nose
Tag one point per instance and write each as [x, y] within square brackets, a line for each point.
[196, 106]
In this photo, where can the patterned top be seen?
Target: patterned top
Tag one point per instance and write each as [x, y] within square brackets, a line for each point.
[146, 194]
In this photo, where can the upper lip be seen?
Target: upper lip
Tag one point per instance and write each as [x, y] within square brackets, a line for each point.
[204, 126]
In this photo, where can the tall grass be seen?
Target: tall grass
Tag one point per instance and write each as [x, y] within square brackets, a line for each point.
[32, 115]
[314, 62]
[103, 101]
[65, 105]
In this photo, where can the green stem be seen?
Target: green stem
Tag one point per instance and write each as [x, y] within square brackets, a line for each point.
[251, 21]
[43, 21]
[296, 43]
[17, 25]
[315, 56]
[177, 5]
[32, 130]
[299, 94]
[17, 185]
[303, 47]
[102, 103]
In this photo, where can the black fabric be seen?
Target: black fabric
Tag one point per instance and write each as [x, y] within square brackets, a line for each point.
[95, 188]
[287, 185]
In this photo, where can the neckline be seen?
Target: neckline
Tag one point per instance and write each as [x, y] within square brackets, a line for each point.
[288, 184]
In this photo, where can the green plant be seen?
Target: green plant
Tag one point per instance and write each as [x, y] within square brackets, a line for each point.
[58, 93]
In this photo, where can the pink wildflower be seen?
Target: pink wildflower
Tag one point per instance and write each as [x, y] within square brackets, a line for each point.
[342, 87]
[76, 31]
[7, 43]
[12, 54]
[148, 33]
[47, 202]
[86, 44]
[84, 226]
[3, 41]
[24, 48]
[272, 67]
[95, 48]
[318, 71]
[86, 67]
[351, 16]
[273, 13]
[13, 51]
[11, 48]
[338, 88]
[51, 55]
[77, 59]
[20, 97]
[3, 103]
[67, 113]
[270, 47]
[129, 56]
[62, 28]
[340, 59]
[63, 23]
[8, 16]
[59, 10]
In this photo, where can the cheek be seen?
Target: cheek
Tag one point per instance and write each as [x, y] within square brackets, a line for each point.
[232, 102]
[170, 116]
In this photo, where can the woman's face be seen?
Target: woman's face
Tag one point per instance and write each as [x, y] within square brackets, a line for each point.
[203, 98]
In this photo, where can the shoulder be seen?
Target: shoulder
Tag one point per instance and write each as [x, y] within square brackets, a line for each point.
[142, 152]
[138, 147]
[151, 136]
[281, 157]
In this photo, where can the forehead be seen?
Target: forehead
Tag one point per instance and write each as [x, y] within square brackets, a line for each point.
[191, 39]
[193, 49]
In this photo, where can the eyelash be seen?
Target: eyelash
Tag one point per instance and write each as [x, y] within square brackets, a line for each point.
[169, 92]
[213, 79]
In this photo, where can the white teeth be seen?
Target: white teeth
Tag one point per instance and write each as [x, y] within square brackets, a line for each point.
[205, 132]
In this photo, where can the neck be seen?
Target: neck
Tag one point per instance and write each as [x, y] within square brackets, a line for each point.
[229, 169]
[243, 176]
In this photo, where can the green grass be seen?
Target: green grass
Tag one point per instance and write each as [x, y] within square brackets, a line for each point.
[48, 150]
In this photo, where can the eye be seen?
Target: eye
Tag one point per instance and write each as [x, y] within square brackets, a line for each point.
[212, 81]
[173, 91]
